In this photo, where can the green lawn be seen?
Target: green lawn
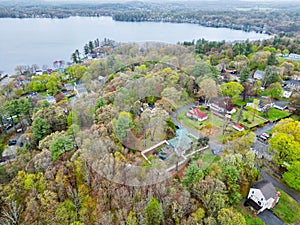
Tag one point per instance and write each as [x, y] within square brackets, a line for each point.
[206, 159]
[240, 102]
[287, 209]
[275, 114]
[247, 119]
[250, 220]
[196, 125]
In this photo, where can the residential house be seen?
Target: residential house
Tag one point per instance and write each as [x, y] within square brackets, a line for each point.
[50, 99]
[222, 105]
[196, 114]
[102, 80]
[238, 126]
[293, 56]
[38, 72]
[281, 105]
[287, 92]
[294, 85]
[68, 87]
[258, 75]
[262, 195]
[261, 105]
[80, 89]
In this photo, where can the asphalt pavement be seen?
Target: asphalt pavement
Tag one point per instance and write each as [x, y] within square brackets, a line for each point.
[270, 218]
[264, 129]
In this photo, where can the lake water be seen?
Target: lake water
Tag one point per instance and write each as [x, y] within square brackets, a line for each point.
[42, 41]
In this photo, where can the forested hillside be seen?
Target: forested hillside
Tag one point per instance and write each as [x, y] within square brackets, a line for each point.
[82, 159]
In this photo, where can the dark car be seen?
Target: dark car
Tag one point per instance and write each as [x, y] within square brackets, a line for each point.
[162, 155]
[8, 127]
[12, 142]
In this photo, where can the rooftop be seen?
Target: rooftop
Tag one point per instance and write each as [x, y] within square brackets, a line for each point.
[267, 189]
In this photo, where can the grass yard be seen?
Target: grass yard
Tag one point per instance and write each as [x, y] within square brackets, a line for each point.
[197, 125]
[275, 114]
[240, 102]
[187, 121]
[250, 217]
[287, 209]
[247, 119]
[206, 159]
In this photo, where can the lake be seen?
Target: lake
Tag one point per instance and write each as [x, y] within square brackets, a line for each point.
[42, 41]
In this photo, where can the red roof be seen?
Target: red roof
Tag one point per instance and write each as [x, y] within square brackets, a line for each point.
[238, 126]
[196, 112]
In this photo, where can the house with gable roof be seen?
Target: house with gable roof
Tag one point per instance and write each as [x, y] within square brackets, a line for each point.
[262, 195]
[196, 114]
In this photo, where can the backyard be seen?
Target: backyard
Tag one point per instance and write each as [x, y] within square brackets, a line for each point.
[287, 209]
[275, 114]
[249, 119]
[212, 126]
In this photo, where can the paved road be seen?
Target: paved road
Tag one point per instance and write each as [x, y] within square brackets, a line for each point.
[264, 129]
[269, 218]
[261, 149]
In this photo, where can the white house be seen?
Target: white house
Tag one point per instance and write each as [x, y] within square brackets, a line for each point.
[258, 75]
[261, 105]
[51, 100]
[196, 114]
[287, 92]
[293, 56]
[262, 195]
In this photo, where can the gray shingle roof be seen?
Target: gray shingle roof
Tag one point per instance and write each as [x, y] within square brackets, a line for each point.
[267, 189]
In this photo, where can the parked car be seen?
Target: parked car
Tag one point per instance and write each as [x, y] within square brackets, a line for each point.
[12, 142]
[8, 127]
[263, 137]
[162, 155]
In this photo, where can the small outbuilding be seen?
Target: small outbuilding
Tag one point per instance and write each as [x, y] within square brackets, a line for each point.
[238, 127]
[262, 195]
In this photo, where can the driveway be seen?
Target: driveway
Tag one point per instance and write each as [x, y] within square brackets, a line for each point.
[270, 218]
[261, 150]
[11, 150]
[264, 129]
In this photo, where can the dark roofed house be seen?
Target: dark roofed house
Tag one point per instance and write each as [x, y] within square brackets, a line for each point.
[294, 85]
[222, 105]
[196, 114]
[80, 89]
[282, 105]
[262, 195]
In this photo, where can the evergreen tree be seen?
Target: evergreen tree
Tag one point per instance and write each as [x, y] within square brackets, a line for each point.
[154, 212]
[272, 59]
[244, 75]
